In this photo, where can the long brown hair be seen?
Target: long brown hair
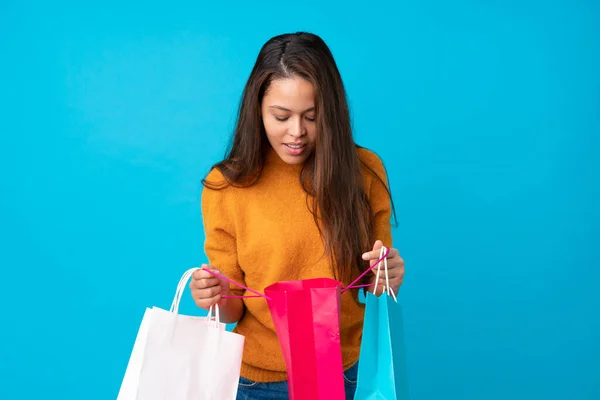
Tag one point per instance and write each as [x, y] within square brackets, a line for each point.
[332, 175]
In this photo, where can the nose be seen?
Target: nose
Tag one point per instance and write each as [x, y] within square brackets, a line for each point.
[297, 129]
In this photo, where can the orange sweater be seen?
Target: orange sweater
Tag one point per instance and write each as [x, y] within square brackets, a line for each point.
[265, 233]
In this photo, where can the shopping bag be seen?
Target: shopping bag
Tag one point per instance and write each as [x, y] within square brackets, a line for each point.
[180, 357]
[382, 372]
[306, 315]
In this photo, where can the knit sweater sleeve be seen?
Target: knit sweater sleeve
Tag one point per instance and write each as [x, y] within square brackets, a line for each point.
[220, 244]
[379, 198]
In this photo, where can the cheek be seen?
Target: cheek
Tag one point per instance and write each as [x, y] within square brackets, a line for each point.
[274, 129]
[269, 128]
[312, 133]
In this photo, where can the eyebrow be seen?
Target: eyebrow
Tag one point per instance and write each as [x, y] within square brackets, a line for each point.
[288, 110]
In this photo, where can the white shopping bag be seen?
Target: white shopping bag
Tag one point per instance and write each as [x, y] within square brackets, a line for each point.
[180, 357]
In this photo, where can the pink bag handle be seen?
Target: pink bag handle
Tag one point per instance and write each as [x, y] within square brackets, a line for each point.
[352, 286]
[239, 285]
[258, 294]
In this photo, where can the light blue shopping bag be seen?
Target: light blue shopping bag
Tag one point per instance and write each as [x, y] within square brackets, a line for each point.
[382, 373]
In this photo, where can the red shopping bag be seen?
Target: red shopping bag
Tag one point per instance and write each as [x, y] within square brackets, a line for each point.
[306, 315]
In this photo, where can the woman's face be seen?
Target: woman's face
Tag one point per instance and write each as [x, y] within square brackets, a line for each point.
[288, 114]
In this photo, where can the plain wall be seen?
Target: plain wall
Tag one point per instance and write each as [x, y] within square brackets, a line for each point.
[485, 113]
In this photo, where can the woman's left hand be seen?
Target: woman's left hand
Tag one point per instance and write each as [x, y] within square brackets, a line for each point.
[395, 265]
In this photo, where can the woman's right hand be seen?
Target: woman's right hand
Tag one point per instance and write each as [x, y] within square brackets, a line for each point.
[207, 289]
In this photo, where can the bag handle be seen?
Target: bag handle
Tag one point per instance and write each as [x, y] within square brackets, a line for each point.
[377, 263]
[389, 290]
[350, 286]
[258, 294]
[214, 309]
[180, 289]
[217, 318]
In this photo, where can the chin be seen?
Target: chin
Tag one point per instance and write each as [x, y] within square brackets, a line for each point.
[293, 160]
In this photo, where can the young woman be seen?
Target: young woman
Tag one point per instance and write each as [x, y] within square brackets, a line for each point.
[295, 198]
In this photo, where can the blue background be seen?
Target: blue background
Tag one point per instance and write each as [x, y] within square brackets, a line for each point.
[485, 113]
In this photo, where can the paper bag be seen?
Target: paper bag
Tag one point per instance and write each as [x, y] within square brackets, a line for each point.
[180, 357]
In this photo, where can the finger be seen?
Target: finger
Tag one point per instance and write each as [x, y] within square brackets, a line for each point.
[207, 293]
[392, 274]
[395, 263]
[201, 274]
[371, 255]
[375, 254]
[380, 289]
[390, 278]
[204, 283]
[395, 266]
[393, 253]
[376, 264]
[207, 271]
[376, 249]
[207, 303]
[395, 273]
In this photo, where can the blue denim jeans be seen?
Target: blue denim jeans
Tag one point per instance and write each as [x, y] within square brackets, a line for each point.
[250, 390]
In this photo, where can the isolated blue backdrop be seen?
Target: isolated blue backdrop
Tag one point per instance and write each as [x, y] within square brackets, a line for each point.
[486, 114]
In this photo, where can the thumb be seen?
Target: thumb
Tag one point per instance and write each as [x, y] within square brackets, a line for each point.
[378, 245]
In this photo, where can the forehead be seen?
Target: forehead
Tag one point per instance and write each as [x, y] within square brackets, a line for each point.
[295, 93]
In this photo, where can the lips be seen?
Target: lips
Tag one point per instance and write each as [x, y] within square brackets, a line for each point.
[295, 149]
[295, 145]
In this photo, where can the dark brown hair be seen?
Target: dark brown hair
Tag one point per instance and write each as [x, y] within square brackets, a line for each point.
[332, 174]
